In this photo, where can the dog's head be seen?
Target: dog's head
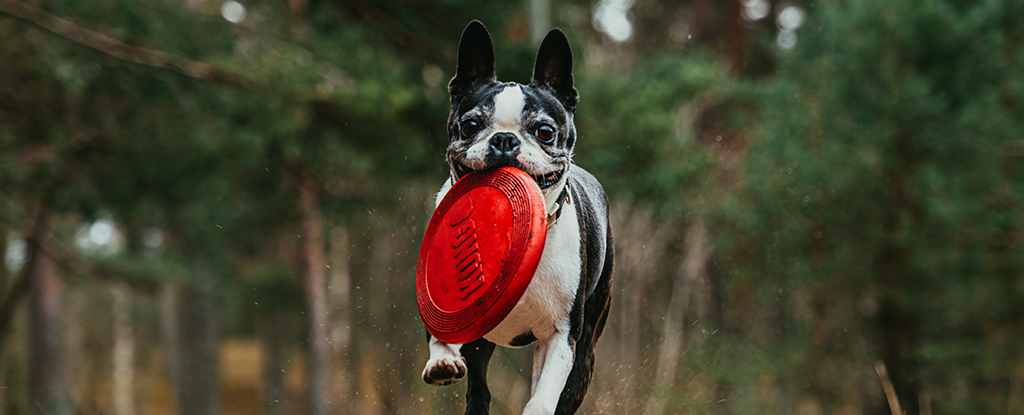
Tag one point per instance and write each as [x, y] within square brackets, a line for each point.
[494, 124]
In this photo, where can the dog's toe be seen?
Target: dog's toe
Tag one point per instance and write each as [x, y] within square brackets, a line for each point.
[444, 371]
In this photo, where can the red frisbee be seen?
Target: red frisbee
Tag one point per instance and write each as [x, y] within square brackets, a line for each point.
[480, 252]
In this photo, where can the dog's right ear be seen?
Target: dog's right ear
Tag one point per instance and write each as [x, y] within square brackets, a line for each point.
[476, 61]
[553, 69]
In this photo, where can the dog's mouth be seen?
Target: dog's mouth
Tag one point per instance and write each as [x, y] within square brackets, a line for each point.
[461, 169]
[549, 179]
[543, 181]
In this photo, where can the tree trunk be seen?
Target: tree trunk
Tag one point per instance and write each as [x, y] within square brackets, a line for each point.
[4, 281]
[200, 394]
[641, 245]
[16, 290]
[692, 268]
[48, 392]
[170, 336]
[79, 375]
[896, 321]
[275, 391]
[297, 17]
[737, 37]
[340, 278]
[124, 352]
[313, 264]
[540, 20]
[4, 272]
[188, 325]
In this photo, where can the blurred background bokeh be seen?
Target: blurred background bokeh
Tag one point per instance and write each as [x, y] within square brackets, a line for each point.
[213, 207]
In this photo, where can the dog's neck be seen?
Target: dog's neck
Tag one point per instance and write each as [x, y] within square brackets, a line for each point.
[555, 212]
[556, 197]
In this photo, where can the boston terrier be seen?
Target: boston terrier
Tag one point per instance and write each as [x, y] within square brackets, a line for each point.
[494, 124]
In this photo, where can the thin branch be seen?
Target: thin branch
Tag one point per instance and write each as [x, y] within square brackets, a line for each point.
[398, 33]
[890, 391]
[117, 49]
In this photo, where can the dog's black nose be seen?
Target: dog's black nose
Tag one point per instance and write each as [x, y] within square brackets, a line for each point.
[504, 144]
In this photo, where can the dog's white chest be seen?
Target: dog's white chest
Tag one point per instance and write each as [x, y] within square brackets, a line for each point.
[545, 306]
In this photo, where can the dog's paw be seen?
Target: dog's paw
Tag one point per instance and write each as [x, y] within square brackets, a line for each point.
[444, 370]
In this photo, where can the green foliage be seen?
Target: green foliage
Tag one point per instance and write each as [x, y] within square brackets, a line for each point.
[878, 164]
[862, 195]
[631, 134]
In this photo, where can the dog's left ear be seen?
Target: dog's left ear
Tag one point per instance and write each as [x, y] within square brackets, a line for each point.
[553, 69]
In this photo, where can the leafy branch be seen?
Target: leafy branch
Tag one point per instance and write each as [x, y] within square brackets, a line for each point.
[117, 49]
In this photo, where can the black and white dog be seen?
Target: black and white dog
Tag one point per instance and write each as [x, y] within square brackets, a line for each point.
[494, 124]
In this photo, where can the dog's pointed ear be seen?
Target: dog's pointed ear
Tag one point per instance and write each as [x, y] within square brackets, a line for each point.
[553, 69]
[475, 60]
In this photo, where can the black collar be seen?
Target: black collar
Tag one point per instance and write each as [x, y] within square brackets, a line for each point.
[563, 199]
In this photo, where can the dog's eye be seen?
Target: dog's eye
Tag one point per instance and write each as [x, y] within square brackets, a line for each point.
[469, 128]
[546, 133]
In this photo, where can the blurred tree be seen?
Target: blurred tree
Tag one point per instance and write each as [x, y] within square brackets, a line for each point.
[859, 194]
[878, 196]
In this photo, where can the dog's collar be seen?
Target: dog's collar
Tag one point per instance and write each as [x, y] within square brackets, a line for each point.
[563, 199]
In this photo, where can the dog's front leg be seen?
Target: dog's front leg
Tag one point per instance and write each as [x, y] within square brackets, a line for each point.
[554, 358]
[478, 395]
[446, 364]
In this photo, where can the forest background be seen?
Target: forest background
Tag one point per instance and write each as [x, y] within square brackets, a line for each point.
[216, 207]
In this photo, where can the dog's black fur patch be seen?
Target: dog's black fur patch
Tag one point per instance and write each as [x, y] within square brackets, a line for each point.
[523, 340]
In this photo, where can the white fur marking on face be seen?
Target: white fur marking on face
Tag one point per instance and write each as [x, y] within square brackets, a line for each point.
[508, 107]
[477, 152]
[535, 160]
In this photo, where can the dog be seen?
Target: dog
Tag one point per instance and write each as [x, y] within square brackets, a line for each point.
[494, 124]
